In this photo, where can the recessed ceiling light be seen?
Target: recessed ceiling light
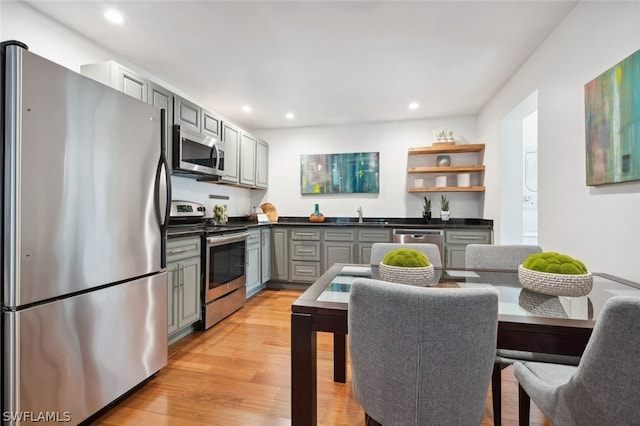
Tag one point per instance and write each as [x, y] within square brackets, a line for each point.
[246, 108]
[290, 116]
[114, 16]
[413, 105]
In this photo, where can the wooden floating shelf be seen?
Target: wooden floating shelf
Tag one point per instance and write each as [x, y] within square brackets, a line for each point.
[447, 169]
[469, 147]
[448, 189]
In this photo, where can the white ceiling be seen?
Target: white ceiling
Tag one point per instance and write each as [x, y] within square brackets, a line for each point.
[328, 62]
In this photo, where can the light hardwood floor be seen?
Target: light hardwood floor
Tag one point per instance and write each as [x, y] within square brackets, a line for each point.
[238, 373]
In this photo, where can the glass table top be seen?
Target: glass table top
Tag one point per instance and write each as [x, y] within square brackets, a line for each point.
[513, 299]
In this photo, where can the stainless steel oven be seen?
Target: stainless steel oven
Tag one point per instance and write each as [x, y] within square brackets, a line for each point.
[225, 276]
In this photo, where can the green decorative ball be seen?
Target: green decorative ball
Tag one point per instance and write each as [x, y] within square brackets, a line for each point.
[554, 263]
[406, 258]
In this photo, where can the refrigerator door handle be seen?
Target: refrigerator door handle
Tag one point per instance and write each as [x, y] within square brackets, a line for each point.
[163, 188]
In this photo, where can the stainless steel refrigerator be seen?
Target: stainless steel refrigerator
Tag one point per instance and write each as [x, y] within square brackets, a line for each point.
[85, 195]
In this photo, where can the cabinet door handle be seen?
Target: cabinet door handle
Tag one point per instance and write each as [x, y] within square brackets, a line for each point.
[181, 250]
[469, 238]
[305, 251]
[341, 235]
[304, 234]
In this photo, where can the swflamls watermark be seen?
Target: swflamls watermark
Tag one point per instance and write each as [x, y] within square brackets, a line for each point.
[36, 416]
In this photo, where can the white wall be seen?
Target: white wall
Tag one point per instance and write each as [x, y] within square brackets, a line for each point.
[391, 139]
[598, 225]
[57, 43]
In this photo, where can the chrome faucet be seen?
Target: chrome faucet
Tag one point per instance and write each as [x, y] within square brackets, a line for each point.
[359, 210]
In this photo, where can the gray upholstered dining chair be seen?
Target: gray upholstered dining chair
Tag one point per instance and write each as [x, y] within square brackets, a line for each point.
[603, 388]
[379, 250]
[508, 256]
[421, 356]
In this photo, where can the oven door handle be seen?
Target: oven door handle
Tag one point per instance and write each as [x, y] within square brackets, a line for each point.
[226, 239]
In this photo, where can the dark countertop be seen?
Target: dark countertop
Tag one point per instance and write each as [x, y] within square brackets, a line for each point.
[419, 223]
[413, 223]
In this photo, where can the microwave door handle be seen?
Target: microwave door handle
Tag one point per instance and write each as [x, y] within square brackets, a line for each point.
[212, 151]
[215, 147]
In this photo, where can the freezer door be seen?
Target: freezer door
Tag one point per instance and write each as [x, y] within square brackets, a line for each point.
[73, 356]
[81, 183]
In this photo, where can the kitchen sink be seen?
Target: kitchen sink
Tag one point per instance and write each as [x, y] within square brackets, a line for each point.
[349, 221]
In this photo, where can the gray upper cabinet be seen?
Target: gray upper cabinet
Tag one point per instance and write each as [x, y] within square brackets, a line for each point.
[262, 164]
[187, 114]
[162, 98]
[133, 86]
[195, 118]
[210, 124]
[231, 139]
[247, 159]
[120, 78]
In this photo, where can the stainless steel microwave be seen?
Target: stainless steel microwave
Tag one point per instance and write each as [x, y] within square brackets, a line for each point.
[197, 154]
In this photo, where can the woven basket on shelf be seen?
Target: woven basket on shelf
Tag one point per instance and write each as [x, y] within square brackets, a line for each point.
[422, 276]
[270, 210]
[555, 284]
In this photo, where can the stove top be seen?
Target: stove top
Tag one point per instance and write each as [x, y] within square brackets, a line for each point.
[187, 217]
[203, 226]
[223, 229]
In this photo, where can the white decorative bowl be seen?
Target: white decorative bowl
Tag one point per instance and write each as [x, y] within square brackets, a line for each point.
[422, 276]
[555, 284]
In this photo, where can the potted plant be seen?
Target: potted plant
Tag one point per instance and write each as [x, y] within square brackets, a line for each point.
[426, 210]
[444, 208]
[555, 274]
[406, 266]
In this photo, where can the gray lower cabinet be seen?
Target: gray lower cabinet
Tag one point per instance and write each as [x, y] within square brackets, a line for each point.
[366, 238]
[456, 241]
[265, 255]
[253, 262]
[279, 254]
[338, 246]
[184, 280]
[301, 254]
[304, 254]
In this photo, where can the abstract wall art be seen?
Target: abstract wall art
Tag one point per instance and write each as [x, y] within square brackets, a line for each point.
[340, 173]
[612, 124]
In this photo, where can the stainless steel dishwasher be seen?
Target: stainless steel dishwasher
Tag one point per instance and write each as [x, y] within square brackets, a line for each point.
[420, 236]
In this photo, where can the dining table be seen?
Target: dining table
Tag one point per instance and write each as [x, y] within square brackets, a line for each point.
[527, 320]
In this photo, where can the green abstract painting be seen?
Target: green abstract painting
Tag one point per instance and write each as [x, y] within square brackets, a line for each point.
[612, 124]
[340, 173]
